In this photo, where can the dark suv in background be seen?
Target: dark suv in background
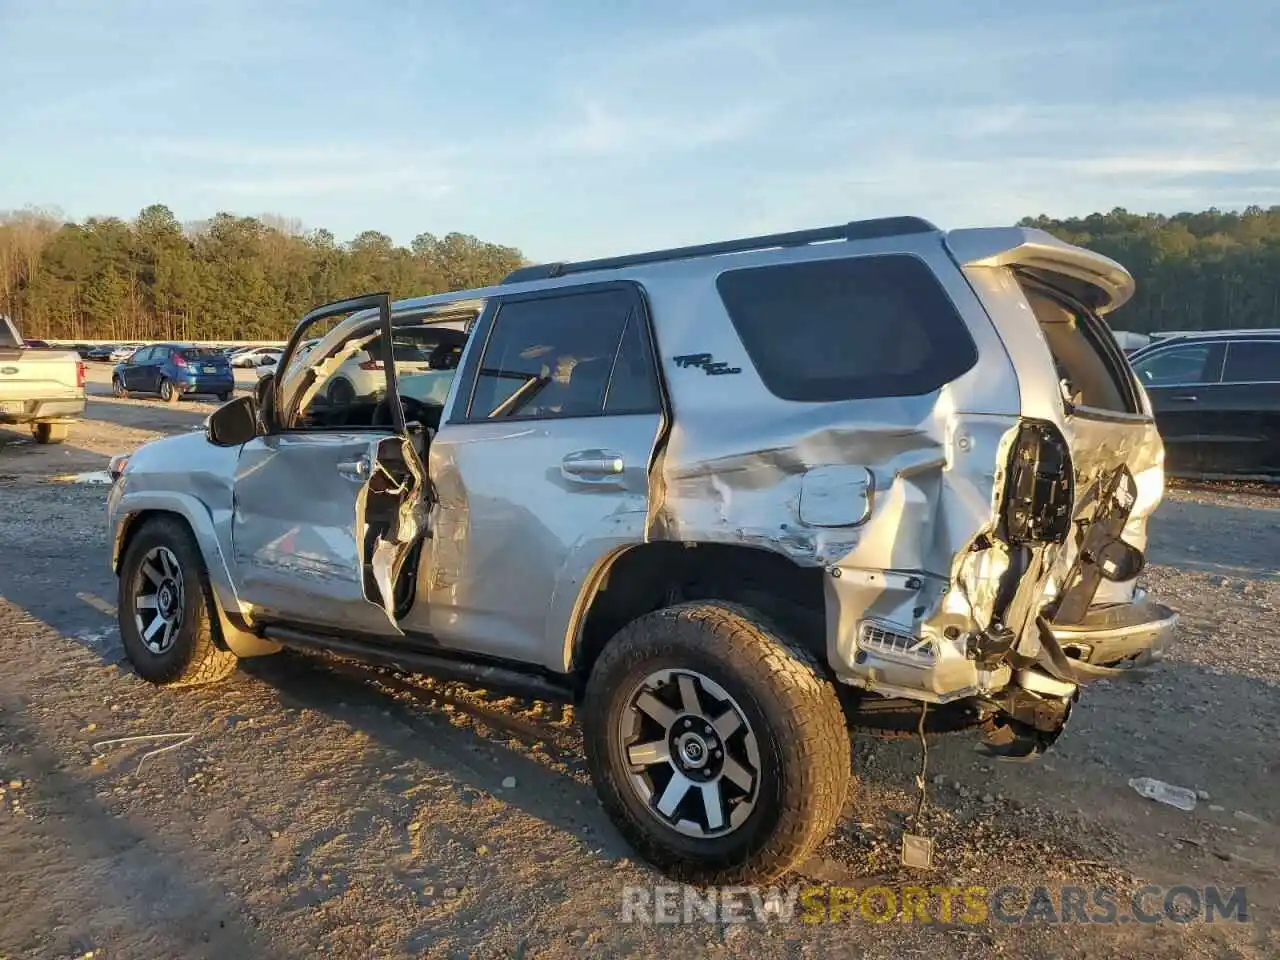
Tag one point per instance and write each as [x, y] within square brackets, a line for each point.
[172, 370]
[1216, 398]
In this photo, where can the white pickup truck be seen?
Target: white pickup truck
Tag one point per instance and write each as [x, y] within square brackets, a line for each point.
[42, 388]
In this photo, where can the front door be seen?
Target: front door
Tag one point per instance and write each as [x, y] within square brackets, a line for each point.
[323, 502]
[541, 468]
[135, 370]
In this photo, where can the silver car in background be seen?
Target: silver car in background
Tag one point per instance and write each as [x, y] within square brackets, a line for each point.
[732, 499]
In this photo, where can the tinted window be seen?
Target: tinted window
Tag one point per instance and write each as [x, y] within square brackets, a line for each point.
[1176, 365]
[1252, 362]
[553, 356]
[633, 385]
[199, 353]
[845, 329]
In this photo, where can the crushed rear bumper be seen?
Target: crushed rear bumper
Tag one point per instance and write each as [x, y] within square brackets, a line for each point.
[1118, 638]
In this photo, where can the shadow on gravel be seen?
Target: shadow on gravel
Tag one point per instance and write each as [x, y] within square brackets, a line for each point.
[143, 882]
[410, 720]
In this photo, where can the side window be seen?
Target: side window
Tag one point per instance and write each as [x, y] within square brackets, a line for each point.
[145, 355]
[1252, 362]
[553, 356]
[1175, 366]
[824, 330]
[633, 385]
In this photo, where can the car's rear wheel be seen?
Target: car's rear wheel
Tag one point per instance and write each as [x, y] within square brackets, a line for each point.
[224, 397]
[50, 432]
[165, 608]
[167, 392]
[117, 388]
[717, 746]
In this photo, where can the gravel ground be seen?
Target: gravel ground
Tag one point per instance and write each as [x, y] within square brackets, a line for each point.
[322, 807]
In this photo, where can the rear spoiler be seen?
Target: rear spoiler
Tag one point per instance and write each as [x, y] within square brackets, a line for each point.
[1110, 284]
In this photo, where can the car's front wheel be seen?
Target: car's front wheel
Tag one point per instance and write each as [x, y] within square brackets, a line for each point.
[718, 748]
[165, 608]
[117, 388]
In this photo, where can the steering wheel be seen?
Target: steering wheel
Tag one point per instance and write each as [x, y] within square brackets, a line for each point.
[414, 409]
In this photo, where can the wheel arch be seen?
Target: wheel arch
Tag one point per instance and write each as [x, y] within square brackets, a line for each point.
[645, 577]
[134, 514]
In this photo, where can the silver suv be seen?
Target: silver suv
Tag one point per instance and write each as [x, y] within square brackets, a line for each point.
[731, 499]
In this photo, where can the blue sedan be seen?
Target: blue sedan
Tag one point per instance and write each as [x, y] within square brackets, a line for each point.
[172, 371]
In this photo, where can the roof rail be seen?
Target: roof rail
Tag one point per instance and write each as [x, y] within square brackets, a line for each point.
[856, 230]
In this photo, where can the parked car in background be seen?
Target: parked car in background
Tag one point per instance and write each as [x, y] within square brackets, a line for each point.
[360, 376]
[728, 499]
[123, 352]
[37, 344]
[254, 356]
[40, 387]
[172, 371]
[102, 352]
[1216, 397]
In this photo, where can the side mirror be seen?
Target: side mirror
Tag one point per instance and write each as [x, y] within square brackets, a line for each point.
[233, 423]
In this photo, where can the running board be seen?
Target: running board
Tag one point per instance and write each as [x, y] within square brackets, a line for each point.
[489, 676]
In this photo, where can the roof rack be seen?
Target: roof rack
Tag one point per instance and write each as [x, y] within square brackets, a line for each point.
[856, 230]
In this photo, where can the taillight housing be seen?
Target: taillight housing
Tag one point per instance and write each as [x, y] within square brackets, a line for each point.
[371, 365]
[80, 373]
[179, 360]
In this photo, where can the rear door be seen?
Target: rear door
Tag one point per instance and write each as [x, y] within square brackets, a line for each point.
[541, 466]
[1242, 432]
[325, 507]
[1182, 381]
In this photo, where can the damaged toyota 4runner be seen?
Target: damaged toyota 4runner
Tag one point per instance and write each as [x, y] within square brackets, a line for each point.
[731, 499]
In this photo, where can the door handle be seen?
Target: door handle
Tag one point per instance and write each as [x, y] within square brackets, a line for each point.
[593, 465]
[356, 470]
[1185, 398]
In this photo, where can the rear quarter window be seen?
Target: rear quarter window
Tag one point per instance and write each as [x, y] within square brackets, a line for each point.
[848, 329]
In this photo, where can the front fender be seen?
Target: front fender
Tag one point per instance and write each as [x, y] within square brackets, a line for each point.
[125, 508]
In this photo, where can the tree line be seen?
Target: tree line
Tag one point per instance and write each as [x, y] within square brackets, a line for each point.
[1195, 271]
[251, 278]
[228, 278]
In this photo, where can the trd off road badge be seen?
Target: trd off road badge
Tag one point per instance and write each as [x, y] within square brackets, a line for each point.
[712, 368]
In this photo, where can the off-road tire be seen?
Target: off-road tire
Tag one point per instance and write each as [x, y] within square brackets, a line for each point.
[196, 656]
[792, 707]
[117, 389]
[50, 432]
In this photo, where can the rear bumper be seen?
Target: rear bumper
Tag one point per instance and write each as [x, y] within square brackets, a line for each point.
[207, 385]
[40, 411]
[1130, 636]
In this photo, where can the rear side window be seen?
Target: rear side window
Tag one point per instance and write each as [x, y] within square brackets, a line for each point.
[1175, 366]
[1252, 362]
[573, 355]
[848, 329]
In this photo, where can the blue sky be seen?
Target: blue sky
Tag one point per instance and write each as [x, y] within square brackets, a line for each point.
[575, 129]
